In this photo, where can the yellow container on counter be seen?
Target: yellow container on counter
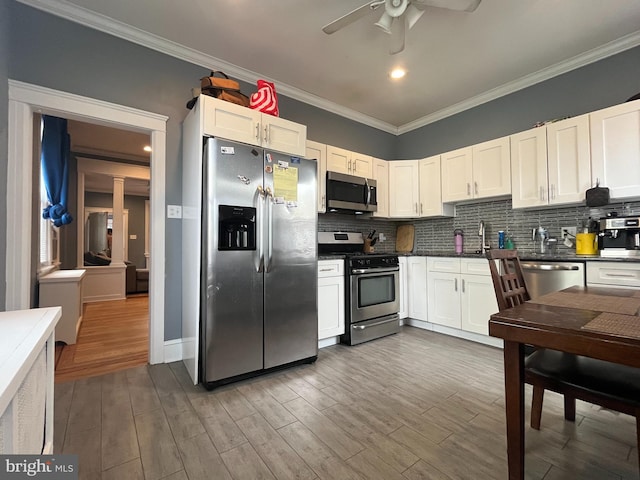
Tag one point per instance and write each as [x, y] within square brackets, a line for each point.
[586, 244]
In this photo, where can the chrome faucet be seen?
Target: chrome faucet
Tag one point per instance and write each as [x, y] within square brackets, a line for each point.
[481, 233]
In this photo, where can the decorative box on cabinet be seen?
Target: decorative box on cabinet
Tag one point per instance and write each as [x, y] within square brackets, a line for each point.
[27, 358]
[615, 149]
[235, 122]
[331, 311]
[64, 288]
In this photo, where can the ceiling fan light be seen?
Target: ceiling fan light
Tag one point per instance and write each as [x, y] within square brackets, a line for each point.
[385, 22]
[413, 15]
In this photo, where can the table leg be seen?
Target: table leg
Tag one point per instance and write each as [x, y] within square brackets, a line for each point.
[514, 403]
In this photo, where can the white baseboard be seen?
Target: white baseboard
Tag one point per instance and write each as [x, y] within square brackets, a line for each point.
[454, 332]
[172, 350]
[327, 342]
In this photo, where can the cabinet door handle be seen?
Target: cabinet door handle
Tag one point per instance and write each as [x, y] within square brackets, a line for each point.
[552, 193]
[266, 134]
[468, 188]
[322, 203]
[463, 285]
[475, 184]
[355, 166]
[257, 131]
[416, 207]
[455, 287]
[421, 209]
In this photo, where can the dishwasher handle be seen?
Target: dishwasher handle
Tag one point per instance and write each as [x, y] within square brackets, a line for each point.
[548, 267]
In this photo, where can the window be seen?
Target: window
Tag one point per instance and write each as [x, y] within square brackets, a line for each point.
[49, 250]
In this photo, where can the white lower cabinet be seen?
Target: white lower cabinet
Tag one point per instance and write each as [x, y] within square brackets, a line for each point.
[330, 298]
[417, 281]
[402, 275]
[460, 293]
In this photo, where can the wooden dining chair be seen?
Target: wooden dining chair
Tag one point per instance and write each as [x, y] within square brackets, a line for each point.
[610, 385]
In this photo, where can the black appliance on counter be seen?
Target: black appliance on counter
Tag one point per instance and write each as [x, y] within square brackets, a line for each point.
[619, 236]
[372, 287]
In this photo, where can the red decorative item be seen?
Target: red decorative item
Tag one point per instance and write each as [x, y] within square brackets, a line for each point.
[265, 99]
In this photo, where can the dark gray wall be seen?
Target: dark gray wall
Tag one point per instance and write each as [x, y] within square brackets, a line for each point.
[55, 53]
[135, 205]
[62, 55]
[599, 85]
[4, 99]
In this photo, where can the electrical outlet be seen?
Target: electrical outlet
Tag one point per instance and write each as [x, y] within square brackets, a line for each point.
[174, 211]
[570, 230]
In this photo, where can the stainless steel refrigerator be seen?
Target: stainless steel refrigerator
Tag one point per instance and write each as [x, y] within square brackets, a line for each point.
[259, 265]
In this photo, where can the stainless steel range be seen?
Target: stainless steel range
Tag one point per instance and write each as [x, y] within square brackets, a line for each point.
[371, 287]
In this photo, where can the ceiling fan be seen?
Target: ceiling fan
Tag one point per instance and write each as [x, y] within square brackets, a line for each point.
[402, 13]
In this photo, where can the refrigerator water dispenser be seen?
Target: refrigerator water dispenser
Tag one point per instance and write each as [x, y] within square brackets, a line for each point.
[236, 228]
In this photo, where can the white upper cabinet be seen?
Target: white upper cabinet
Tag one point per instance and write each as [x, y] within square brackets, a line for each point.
[404, 193]
[529, 168]
[235, 122]
[381, 176]
[491, 168]
[615, 149]
[550, 165]
[348, 162]
[479, 171]
[362, 165]
[457, 175]
[430, 189]
[569, 165]
[318, 152]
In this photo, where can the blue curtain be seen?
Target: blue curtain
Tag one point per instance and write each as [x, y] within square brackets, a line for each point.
[55, 169]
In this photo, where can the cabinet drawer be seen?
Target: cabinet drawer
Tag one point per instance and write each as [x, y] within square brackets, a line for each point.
[614, 274]
[330, 268]
[443, 264]
[475, 266]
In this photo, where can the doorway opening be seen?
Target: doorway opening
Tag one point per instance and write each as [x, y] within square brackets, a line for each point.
[25, 100]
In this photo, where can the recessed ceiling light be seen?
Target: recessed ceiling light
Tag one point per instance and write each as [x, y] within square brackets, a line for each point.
[398, 73]
[147, 148]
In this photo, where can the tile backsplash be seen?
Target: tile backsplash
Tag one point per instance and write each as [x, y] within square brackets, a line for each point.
[437, 234]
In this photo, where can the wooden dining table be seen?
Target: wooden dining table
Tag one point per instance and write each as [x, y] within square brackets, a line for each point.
[598, 322]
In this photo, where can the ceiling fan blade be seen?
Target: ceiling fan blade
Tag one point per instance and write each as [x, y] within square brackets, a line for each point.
[460, 5]
[351, 17]
[398, 36]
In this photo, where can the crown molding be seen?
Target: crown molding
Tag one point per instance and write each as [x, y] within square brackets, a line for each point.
[64, 9]
[88, 18]
[617, 46]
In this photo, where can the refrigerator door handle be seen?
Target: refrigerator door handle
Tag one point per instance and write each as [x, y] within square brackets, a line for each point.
[260, 194]
[269, 218]
[367, 198]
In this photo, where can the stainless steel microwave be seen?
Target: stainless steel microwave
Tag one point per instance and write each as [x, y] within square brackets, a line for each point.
[350, 194]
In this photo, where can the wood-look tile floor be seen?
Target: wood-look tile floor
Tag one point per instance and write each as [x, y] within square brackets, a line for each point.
[416, 405]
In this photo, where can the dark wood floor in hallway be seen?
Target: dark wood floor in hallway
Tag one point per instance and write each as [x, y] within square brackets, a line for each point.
[416, 405]
[113, 336]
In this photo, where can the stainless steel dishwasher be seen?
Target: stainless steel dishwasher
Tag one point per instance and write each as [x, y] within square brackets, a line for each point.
[544, 277]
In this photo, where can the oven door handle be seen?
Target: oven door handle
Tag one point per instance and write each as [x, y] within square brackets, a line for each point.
[381, 322]
[363, 271]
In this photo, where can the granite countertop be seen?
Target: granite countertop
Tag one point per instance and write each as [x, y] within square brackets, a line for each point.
[527, 256]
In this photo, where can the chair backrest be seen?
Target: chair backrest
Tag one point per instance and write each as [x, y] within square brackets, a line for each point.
[508, 279]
